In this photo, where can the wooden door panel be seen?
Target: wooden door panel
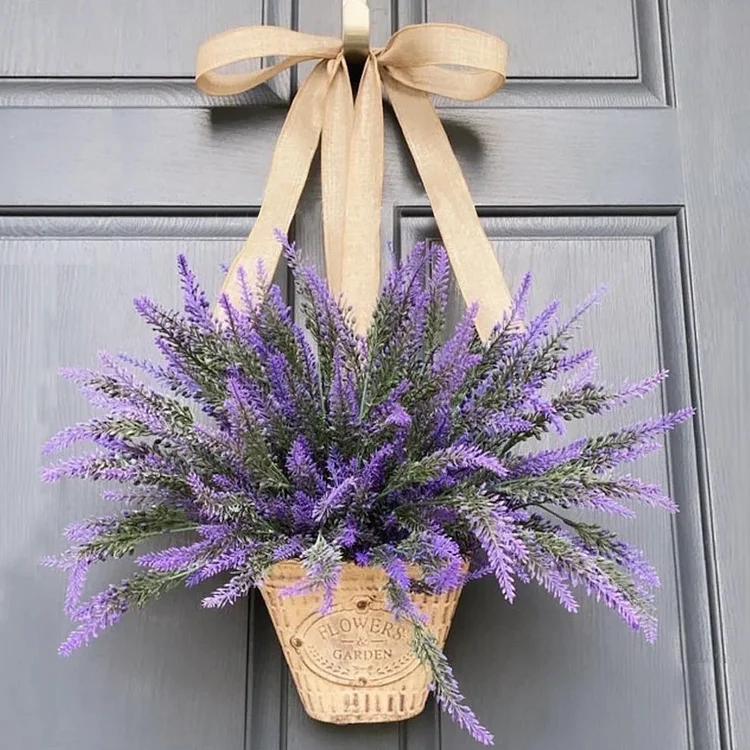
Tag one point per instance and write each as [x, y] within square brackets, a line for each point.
[89, 53]
[584, 54]
[711, 55]
[170, 677]
[76, 38]
[585, 39]
[123, 156]
[571, 668]
[131, 157]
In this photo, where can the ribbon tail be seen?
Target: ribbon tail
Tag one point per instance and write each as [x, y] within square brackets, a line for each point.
[290, 165]
[337, 135]
[478, 273]
[360, 276]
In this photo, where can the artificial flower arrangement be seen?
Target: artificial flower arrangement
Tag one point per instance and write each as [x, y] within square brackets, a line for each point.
[408, 455]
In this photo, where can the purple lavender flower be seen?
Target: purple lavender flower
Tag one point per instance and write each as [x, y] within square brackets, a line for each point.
[410, 448]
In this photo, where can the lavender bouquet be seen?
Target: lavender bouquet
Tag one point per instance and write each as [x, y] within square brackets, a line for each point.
[402, 448]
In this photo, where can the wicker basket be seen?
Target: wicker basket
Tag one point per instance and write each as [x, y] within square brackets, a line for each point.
[354, 664]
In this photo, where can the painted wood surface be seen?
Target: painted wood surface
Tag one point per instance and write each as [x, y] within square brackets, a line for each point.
[617, 154]
[173, 680]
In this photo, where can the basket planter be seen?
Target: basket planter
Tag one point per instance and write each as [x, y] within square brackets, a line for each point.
[355, 663]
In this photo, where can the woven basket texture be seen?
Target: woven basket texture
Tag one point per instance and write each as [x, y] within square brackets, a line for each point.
[354, 664]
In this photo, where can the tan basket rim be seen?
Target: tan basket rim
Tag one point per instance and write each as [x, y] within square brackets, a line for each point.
[280, 573]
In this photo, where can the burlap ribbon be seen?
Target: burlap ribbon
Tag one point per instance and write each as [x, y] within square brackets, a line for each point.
[442, 59]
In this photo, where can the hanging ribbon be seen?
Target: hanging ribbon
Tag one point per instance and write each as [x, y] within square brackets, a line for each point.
[441, 59]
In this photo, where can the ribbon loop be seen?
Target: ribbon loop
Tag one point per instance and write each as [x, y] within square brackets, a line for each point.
[441, 59]
[250, 43]
[439, 44]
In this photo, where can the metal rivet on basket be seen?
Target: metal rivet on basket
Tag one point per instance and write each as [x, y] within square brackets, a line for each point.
[296, 642]
[362, 604]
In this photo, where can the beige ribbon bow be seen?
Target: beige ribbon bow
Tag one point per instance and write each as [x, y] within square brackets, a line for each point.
[442, 59]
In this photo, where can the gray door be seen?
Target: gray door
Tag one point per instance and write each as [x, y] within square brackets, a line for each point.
[617, 154]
